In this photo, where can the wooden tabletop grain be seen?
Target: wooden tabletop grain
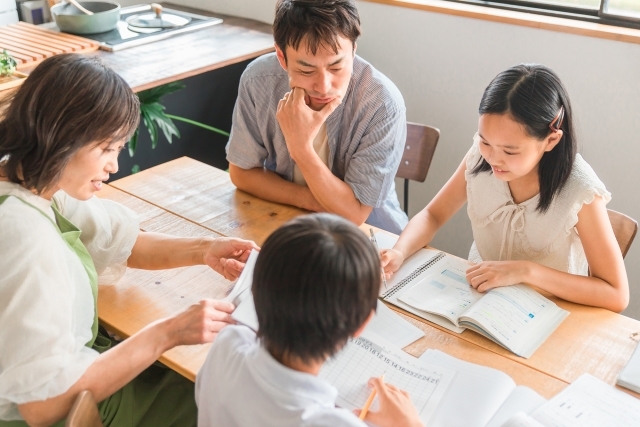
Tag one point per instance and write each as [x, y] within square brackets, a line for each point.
[591, 340]
[142, 297]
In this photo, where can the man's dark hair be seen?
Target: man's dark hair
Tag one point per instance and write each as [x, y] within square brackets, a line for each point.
[315, 283]
[536, 98]
[68, 101]
[317, 22]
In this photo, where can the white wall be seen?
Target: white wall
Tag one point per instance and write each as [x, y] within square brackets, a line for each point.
[442, 64]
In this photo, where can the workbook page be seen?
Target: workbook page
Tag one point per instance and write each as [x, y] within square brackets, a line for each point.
[477, 393]
[371, 356]
[590, 402]
[521, 420]
[516, 316]
[444, 290]
[522, 400]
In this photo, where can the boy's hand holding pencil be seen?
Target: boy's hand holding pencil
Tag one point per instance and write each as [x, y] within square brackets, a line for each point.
[395, 405]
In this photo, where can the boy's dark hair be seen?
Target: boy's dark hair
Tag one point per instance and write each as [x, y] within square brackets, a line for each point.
[533, 95]
[318, 22]
[315, 283]
[68, 101]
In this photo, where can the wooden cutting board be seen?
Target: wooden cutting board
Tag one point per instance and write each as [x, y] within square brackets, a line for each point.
[29, 44]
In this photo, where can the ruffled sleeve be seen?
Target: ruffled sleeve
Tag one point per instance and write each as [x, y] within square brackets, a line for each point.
[473, 155]
[109, 231]
[41, 352]
[581, 188]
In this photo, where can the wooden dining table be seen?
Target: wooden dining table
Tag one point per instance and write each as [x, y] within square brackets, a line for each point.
[185, 197]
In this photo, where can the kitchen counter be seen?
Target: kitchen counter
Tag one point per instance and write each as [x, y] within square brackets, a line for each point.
[185, 55]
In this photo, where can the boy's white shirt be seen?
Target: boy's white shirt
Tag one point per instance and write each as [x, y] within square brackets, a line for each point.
[242, 385]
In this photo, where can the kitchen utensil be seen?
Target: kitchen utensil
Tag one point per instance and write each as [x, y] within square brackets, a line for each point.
[70, 19]
[79, 6]
[156, 19]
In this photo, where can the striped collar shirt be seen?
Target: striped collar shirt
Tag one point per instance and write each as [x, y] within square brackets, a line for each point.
[366, 134]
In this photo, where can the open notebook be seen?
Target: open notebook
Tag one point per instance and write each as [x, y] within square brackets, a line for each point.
[387, 324]
[478, 396]
[432, 285]
[587, 402]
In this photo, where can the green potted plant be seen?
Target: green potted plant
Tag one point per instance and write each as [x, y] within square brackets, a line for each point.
[155, 119]
[9, 77]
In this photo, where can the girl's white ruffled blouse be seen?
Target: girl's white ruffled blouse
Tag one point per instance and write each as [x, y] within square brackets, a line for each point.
[504, 230]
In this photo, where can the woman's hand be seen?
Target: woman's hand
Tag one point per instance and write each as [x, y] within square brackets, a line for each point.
[494, 274]
[391, 260]
[396, 408]
[227, 255]
[199, 323]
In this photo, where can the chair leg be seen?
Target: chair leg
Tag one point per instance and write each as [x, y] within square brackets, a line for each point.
[406, 196]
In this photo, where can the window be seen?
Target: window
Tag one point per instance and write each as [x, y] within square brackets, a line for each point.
[624, 13]
[622, 8]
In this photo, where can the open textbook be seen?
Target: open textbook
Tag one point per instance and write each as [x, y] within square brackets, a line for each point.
[587, 402]
[432, 285]
[385, 323]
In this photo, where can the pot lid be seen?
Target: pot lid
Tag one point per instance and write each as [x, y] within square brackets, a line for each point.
[157, 19]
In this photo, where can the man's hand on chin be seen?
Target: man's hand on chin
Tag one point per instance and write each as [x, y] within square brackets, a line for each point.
[299, 122]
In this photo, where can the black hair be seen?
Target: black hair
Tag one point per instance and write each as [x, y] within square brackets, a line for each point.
[534, 96]
[315, 283]
[67, 102]
[319, 22]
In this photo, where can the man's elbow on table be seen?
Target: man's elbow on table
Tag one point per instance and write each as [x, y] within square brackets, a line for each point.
[359, 215]
[239, 177]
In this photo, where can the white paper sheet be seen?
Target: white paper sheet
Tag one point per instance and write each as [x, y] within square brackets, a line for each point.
[590, 402]
[371, 356]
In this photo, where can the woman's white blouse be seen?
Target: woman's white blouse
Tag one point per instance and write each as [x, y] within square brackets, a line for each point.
[503, 230]
[46, 304]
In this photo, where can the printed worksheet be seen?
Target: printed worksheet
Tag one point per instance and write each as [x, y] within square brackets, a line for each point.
[371, 356]
[590, 402]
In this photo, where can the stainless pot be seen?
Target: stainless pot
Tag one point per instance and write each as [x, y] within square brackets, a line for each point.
[70, 19]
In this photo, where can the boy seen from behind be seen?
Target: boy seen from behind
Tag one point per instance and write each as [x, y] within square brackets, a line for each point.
[315, 285]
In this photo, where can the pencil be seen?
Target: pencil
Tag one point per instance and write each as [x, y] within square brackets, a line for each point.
[375, 242]
[367, 404]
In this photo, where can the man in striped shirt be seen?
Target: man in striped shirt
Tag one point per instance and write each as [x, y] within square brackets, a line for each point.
[315, 126]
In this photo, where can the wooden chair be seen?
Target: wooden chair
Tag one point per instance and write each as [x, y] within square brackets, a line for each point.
[84, 412]
[625, 229]
[416, 158]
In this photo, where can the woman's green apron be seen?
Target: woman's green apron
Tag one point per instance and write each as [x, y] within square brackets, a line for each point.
[158, 396]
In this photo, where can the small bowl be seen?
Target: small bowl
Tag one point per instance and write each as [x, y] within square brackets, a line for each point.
[70, 19]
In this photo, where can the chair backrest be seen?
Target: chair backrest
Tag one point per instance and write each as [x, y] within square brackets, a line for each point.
[418, 152]
[84, 412]
[625, 229]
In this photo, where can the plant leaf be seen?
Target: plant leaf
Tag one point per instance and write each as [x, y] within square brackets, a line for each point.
[154, 94]
[135, 169]
[133, 142]
[156, 113]
[151, 127]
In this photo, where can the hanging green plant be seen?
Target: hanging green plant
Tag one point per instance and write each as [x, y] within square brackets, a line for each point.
[155, 119]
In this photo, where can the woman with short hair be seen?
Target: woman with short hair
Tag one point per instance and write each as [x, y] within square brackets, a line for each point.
[60, 136]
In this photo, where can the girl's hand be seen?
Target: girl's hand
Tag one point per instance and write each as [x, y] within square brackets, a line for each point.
[494, 274]
[199, 323]
[227, 255]
[396, 408]
[391, 260]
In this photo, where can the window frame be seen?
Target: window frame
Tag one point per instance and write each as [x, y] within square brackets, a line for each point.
[597, 16]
